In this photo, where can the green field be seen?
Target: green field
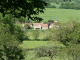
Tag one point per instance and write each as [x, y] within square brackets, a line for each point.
[33, 44]
[42, 34]
[63, 15]
[31, 55]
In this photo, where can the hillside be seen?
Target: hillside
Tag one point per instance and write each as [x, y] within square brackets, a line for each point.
[63, 15]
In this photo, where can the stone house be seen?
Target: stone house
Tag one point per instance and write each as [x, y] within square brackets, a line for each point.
[43, 26]
[40, 25]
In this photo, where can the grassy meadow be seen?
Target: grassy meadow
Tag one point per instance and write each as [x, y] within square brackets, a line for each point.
[63, 15]
[42, 34]
[33, 44]
[31, 55]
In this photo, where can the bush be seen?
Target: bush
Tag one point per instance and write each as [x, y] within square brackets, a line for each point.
[37, 28]
[18, 33]
[27, 26]
[45, 22]
[72, 6]
[73, 51]
[67, 5]
[46, 51]
[68, 33]
[77, 7]
[57, 2]
[53, 6]
[9, 46]
[46, 39]
[50, 6]
[35, 34]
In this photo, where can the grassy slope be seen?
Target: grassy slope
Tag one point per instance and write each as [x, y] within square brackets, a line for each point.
[33, 44]
[30, 55]
[61, 14]
[42, 34]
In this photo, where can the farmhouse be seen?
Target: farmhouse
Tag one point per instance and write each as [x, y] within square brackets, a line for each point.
[42, 26]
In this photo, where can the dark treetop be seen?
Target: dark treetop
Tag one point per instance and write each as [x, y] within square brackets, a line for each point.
[24, 8]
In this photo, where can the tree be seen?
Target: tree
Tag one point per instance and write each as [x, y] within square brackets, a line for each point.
[47, 51]
[71, 5]
[23, 8]
[12, 28]
[49, 22]
[35, 34]
[27, 26]
[10, 34]
[9, 47]
[68, 33]
[66, 0]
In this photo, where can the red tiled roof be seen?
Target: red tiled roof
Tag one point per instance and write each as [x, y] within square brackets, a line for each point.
[28, 23]
[36, 24]
[45, 25]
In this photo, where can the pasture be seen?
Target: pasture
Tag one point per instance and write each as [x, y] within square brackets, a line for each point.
[42, 34]
[63, 15]
[31, 55]
[33, 44]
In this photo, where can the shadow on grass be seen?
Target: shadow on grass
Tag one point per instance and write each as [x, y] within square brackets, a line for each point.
[34, 40]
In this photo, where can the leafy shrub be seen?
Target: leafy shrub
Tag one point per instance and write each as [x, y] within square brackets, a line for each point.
[46, 51]
[35, 34]
[62, 5]
[37, 28]
[46, 39]
[9, 46]
[67, 5]
[50, 6]
[26, 38]
[57, 2]
[72, 6]
[53, 6]
[73, 50]
[27, 26]
[67, 33]
[77, 7]
[45, 22]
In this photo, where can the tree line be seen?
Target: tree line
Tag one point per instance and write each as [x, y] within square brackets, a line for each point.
[11, 35]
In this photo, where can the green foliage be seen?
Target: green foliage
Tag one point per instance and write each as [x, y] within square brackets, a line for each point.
[37, 28]
[73, 51]
[10, 27]
[67, 33]
[45, 22]
[10, 37]
[18, 33]
[65, 5]
[71, 5]
[9, 47]
[35, 34]
[77, 6]
[23, 8]
[68, 5]
[50, 6]
[27, 21]
[46, 51]
[27, 26]
[37, 21]
[46, 38]
[51, 21]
